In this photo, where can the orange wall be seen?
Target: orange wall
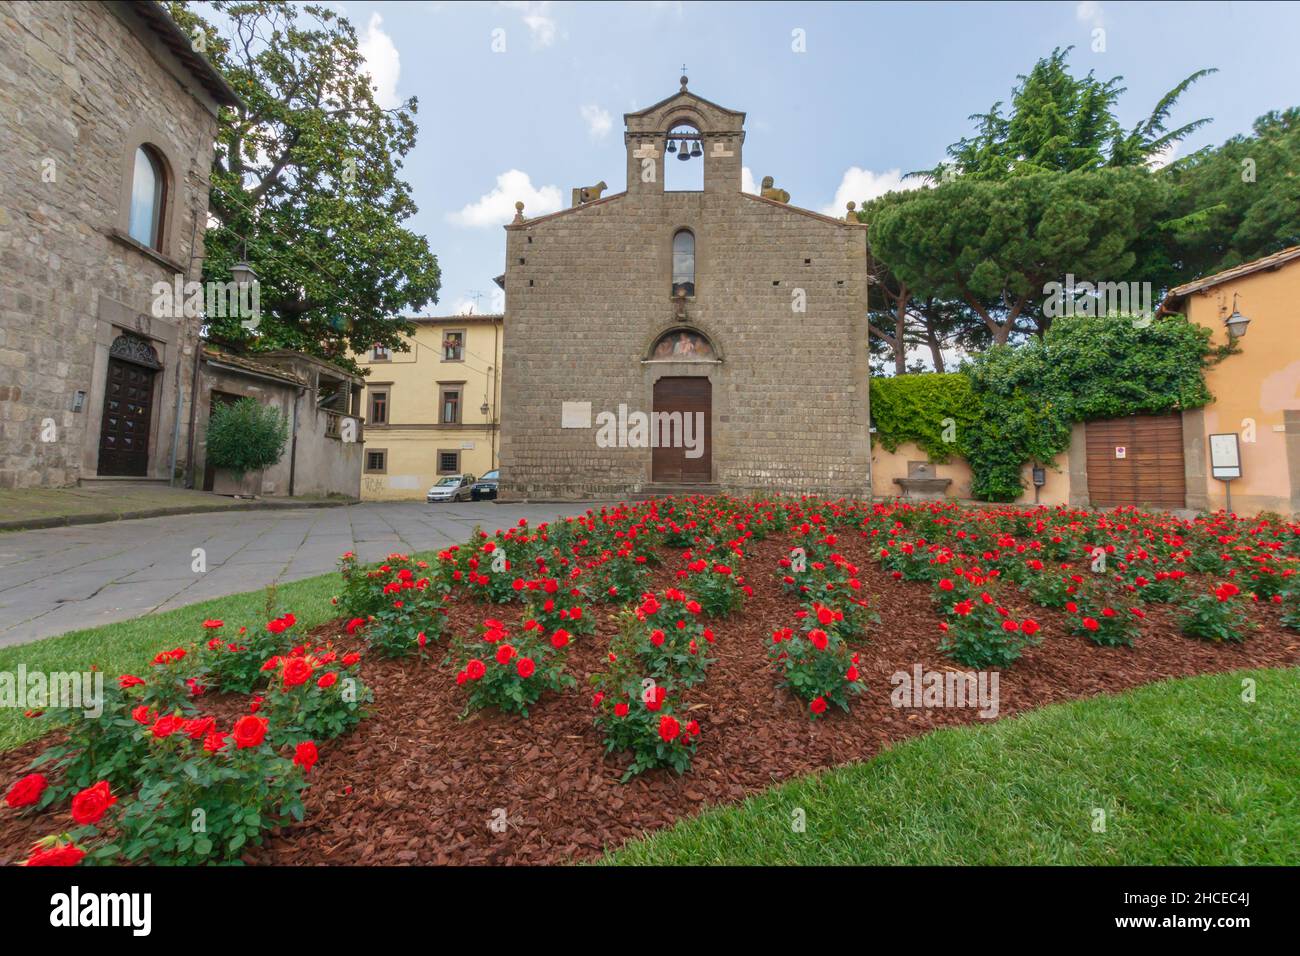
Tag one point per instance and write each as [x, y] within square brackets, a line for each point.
[887, 465]
[1258, 384]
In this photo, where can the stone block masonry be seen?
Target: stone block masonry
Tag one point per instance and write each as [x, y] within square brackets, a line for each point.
[780, 295]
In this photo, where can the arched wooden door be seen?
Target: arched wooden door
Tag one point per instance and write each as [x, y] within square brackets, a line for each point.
[682, 430]
[128, 408]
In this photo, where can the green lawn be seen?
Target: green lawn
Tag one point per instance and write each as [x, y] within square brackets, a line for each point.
[1186, 772]
[128, 646]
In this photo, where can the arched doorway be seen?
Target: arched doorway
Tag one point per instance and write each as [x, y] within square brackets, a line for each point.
[128, 407]
[682, 430]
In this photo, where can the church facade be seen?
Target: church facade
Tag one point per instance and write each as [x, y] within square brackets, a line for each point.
[664, 341]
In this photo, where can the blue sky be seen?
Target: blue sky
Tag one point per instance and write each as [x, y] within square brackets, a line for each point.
[879, 89]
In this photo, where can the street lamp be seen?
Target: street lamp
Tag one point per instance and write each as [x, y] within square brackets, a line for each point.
[243, 273]
[1236, 323]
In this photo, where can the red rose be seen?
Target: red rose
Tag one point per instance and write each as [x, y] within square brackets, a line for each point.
[350, 659]
[693, 728]
[560, 638]
[64, 854]
[818, 638]
[668, 727]
[1090, 623]
[297, 671]
[166, 726]
[525, 667]
[212, 624]
[305, 756]
[214, 742]
[475, 669]
[355, 624]
[504, 654]
[1029, 627]
[92, 803]
[818, 705]
[249, 731]
[327, 680]
[620, 710]
[129, 680]
[657, 637]
[26, 791]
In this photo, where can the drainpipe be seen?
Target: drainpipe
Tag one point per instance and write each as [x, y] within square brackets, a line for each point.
[293, 445]
[194, 407]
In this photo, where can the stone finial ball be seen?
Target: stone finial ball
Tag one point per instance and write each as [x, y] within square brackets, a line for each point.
[519, 207]
[851, 206]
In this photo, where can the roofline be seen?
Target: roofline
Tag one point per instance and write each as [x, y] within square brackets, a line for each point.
[564, 212]
[771, 202]
[805, 212]
[453, 319]
[178, 42]
[667, 99]
[1273, 261]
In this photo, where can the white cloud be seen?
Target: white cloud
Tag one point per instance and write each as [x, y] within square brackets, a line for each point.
[599, 122]
[858, 185]
[382, 61]
[747, 181]
[498, 207]
[1090, 12]
[537, 17]
[464, 307]
[1163, 157]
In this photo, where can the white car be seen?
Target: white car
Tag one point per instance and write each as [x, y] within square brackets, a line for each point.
[450, 488]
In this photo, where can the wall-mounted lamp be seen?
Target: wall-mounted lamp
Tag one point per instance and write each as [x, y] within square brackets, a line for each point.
[78, 400]
[1236, 323]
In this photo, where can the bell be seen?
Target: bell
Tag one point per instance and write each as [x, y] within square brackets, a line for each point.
[672, 147]
[685, 153]
[695, 149]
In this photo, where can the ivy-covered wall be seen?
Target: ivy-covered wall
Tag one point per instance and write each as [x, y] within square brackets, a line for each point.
[1014, 405]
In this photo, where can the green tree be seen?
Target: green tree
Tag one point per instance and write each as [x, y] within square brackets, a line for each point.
[993, 245]
[1062, 123]
[306, 183]
[1230, 204]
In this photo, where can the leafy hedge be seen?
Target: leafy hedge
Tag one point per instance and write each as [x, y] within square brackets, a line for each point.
[1016, 404]
[922, 409]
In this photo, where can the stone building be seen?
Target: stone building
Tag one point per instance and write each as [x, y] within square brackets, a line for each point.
[107, 123]
[730, 326]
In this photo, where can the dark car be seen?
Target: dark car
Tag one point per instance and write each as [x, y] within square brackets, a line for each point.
[485, 487]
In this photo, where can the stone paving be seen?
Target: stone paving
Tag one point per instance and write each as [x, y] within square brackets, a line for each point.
[62, 579]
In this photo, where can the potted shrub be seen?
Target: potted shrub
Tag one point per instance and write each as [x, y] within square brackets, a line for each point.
[244, 439]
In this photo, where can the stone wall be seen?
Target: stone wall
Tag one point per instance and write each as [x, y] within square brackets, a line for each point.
[589, 292]
[81, 86]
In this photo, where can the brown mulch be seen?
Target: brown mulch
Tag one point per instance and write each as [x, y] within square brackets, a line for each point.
[416, 784]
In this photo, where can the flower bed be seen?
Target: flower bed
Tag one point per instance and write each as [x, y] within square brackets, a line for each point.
[424, 776]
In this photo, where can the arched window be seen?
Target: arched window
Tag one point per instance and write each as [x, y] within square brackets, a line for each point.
[148, 196]
[684, 262]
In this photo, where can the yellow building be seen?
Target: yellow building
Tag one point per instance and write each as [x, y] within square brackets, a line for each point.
[434, 410]
[1256, 392]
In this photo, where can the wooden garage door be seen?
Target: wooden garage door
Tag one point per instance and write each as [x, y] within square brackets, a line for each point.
[1136, 461]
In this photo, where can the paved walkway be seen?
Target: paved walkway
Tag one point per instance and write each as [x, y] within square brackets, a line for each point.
[61, 579]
